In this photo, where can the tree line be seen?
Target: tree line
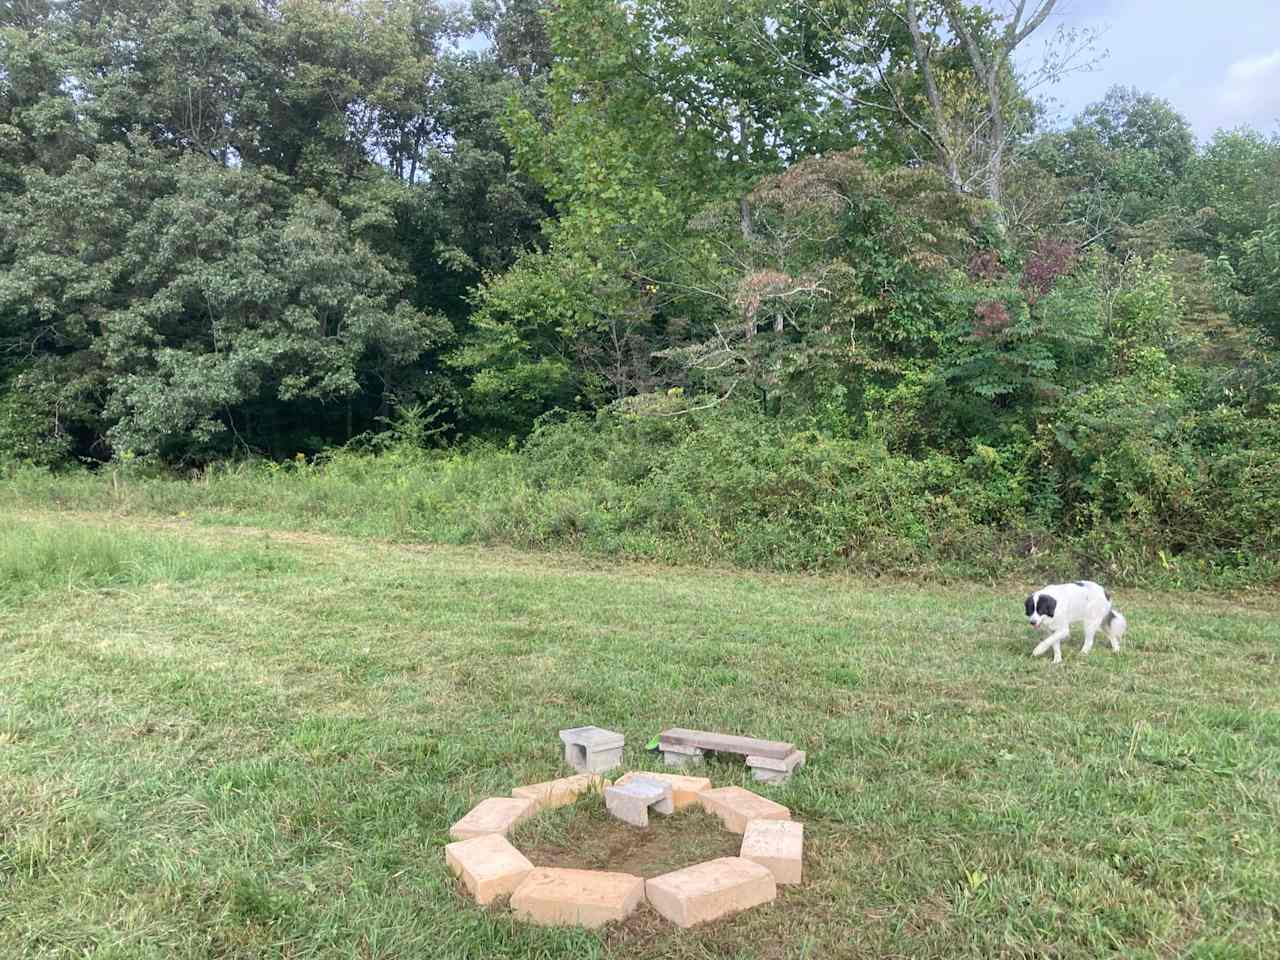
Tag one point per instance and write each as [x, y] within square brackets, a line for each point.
[236, 228]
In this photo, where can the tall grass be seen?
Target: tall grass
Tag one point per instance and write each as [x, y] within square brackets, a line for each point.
[36, 556]
[402, 495]
[748, 492]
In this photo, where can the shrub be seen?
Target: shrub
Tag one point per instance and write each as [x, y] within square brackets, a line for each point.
[1130, 483]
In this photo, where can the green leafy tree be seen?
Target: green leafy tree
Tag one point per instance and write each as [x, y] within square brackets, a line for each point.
[1228, 192]
[475, 213]
[652, 112]
[1123, 157]
[1259, 277]
[182, 308]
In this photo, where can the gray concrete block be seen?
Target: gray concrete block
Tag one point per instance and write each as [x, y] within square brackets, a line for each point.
[592, 749]
[680, 748]
[632, 800]
[773, 771]
[673, 759]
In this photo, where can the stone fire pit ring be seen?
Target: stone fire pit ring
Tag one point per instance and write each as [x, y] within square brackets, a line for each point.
[490, 866]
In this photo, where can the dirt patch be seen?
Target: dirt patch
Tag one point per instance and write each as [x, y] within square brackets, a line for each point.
[589, 839]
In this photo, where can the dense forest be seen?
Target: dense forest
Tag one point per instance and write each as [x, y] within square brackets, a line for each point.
[795, 284]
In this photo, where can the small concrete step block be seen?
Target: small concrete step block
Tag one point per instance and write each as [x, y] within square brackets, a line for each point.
[553, 896]
[772, 770]
[592, 749]
[559, 793]
[778, 845]
[631, 802]
[495, 815]
[714, 888]
[489, 866]
[735, 807]
[684, 790]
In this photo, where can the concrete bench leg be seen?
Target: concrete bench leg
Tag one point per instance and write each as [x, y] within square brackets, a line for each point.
[677, 756]
[768, 770]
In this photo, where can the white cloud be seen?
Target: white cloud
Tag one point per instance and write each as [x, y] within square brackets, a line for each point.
[1251, 90]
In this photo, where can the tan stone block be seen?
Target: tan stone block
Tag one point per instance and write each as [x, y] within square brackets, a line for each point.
[495, 815]
[489, 866]
[735, 806]
[709, 890]
[559, 793]
[554, 896]
[776, 844]
[684, 790]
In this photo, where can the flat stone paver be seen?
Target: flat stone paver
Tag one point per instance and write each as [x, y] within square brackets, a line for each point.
[630, 802]
[551, 794]
[494, 815]
[714, 888]
[776, 844]
[735, 806]
[684, 790]
[489, 866]
[554, 896]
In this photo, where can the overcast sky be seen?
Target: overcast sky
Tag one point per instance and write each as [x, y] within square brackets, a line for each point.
[1216, 61]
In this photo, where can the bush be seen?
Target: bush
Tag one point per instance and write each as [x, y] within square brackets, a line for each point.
[29, 432]
[1130, 484]
[1150, 482]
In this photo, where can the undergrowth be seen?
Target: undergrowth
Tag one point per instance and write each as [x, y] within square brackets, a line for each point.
[748, 491]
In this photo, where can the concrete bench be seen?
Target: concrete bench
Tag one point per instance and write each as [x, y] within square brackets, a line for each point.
[771, 761]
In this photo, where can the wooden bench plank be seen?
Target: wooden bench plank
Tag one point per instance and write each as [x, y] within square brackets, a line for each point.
[725, 743]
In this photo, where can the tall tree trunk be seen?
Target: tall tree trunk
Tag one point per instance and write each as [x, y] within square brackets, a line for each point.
[744, 209]
[988, 68]
[938, 136]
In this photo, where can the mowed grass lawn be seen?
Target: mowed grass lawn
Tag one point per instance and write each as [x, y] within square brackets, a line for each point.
[232, 743]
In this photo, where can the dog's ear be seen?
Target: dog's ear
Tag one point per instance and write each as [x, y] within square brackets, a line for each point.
[1031, 604]
[1046, 605]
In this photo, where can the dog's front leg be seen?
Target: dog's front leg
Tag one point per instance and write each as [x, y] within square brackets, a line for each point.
[1089, 630]
[1052, 640]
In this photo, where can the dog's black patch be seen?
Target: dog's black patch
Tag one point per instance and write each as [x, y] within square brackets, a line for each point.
[1079, 583]
[1046, 605]
[1031, 604]
[1106, 621]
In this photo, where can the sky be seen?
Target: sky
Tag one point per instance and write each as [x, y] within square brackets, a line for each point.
[1216, 61]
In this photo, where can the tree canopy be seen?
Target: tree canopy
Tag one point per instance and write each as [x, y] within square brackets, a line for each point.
[263, 227]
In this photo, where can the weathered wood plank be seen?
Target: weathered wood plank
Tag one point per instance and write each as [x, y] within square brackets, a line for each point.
[725, 743]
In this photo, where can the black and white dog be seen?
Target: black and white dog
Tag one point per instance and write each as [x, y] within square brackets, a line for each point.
[1056, 607]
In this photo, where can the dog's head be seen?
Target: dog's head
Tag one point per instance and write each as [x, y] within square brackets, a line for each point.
[1040, 606]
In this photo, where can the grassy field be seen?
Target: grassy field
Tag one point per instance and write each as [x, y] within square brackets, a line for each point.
[233, 743]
